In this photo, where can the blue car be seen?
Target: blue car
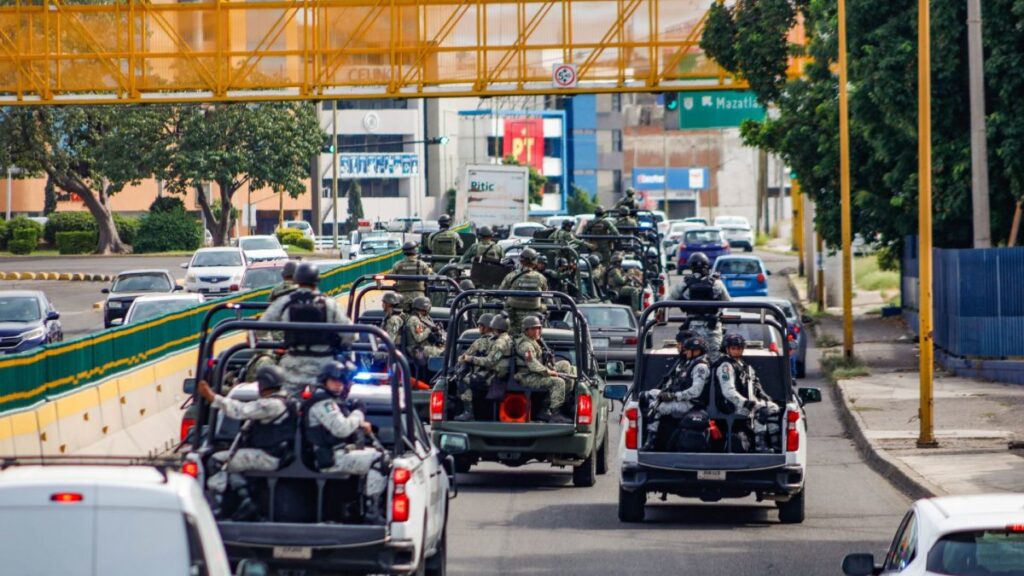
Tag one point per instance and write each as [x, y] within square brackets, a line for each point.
[27, 320]
[708, 240]
[743, 275]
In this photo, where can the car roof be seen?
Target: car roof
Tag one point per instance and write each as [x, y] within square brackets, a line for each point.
[973, 512]
[136, 486]
[256, 236]
[219, 249]
[736, 257]
[169, 297]
[33, 293]
[142, 271]
[705, 228]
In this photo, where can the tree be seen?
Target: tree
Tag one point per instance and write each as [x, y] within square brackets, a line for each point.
[49, 197]
[450, 196]
[537, 180]
[355, 205]
[92, 152]
[266, 145]
[580, 202]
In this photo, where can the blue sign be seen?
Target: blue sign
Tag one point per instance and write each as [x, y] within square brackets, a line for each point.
[378, 165]
[647, 179]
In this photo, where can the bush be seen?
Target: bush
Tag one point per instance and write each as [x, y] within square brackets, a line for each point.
[22, 247]
[304, 243]
[22, 223]
[127, 228]
[166, 204]
[166, 231]
[76, 242]
[67, 222]
[294, 237]
[3, 233]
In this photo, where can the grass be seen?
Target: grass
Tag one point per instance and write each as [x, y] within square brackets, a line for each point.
[837, 367]
[826, 340]
[761, 239]
[814, 312]
[868, 276]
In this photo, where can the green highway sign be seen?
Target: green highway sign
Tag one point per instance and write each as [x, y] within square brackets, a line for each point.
[717, 109]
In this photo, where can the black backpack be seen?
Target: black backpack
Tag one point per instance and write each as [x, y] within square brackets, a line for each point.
[305, 306]
[693, 433]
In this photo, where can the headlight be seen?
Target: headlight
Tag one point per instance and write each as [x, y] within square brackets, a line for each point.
[34, 333]
[114, 304]
[190, 277]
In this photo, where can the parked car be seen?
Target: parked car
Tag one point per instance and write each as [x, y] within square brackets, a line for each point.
[743, 275]
[556, 221]
[796, 332]
[27, 320]
[215, 270]
[696, 220]
[147, 307]
[520, 232]
[104, 519]
[953, 535]
[708, 240]
[373, 245]
[261, 248]
[302, 226]
[678, 227]
[129, 285]
[613, 333]
[737, 231]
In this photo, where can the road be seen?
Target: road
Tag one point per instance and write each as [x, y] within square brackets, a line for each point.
[532, 520]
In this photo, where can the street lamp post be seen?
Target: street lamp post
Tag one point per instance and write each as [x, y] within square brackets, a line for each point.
[926, 437]
[844, 184]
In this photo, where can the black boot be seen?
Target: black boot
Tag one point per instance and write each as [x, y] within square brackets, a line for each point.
[373, 513]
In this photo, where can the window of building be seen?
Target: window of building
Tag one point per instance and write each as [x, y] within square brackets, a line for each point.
[616, 102]
[370, 188]
[552, 146]
[371, 143]
[495, 146]
[616, 140]
[381, 104]
[617, 182]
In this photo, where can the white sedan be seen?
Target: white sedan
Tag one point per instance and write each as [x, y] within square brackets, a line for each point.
[146, 307]
[261, 248]
[215, 270]
[980, 535]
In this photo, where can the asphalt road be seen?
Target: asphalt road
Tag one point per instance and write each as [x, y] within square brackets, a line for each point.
[531, 520]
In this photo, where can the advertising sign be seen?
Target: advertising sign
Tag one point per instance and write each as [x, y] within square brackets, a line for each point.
[399, 165]
[678, 179]
[524, 141]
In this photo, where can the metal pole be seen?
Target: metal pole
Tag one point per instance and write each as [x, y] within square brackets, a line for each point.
[924, 194]
[979, 147]
[8, 194]
[334, 171]
[664, 169]
[819, 266]
[844, 178]
[798, 223]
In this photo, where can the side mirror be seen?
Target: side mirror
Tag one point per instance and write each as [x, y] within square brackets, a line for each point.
[117, 322]
[768, 272]
[453, 443]
[178, 288]
[184, 266]
[616, 392]
[860, 565]
[615, 368]
[104, 290]
[188, 386]
[53, 315]
[808, 395]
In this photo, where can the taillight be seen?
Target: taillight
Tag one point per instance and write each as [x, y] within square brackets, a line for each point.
[796, 329]
[190, 468]
[584, 410]
[186, 427]
[631, 430]
[630, 340]
[400, 502]
[437, 406]
[1015, 528]
[66, 497]
[760, 278]
[234, 287]
[792, 435]
[647, 299]
[773, 348]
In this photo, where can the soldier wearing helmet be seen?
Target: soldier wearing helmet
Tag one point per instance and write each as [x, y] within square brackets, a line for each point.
[394, 319]
[701, 284]
[601, 225]
[287, 284]
[413, 266]
[423, 338]
[741, 393]
[625, 287]
[484, 255]
[474, 373]
[525, 278]
[565, 235]
[267, 439]
[532, 371]
[628, 201]
[306, 351]
[445, 242]
[685, 387]
[337, 429]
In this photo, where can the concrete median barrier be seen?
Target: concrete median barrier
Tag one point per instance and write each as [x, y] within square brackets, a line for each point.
[25, 433]
[80, 420]
[49, 429]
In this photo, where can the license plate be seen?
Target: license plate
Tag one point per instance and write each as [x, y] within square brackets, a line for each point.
[739, 283]
[600, 342]
[713, 475]
[293, 552]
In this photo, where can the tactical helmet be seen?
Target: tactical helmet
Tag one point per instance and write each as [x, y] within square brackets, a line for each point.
[542, 259]
[485, 320]
[617, 258]
[410, 247]
[485, 232]
[336, 370]
[531, 322]
[499, 323]
[444, 221]
[594, 260]
[467, 284]
[307, 274]
[567, 224]
[684, 335]
[733, 339]
[392, 298]
[289, 269]
[270, 377]
[630, 192]
[599, 211]
[561, 262]
[421, 303]
[528, 255]
[695, 343]
[699, 262]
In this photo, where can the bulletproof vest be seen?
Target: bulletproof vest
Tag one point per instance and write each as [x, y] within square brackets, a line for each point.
[317, 434]
[686, 382]
[486, 251]
[305, 306]
[599, 227]
[739, 370]
[444, 243]
[398, 336]
[275, 437]
[507, 352]
[700, 287]
[409, 266]
[525, 280]
[538, 351]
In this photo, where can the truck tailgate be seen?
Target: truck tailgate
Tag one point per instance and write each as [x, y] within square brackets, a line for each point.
[507, 430]
[685, 461]
[308, 535]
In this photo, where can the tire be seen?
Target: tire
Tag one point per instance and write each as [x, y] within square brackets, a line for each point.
[437, 565]
[463, 464]
[792, 512]
[585, 475]
[748, 248]
[801, 369]
[631, 505]
[602, 457]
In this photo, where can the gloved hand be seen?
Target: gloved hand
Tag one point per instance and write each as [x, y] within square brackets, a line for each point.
[749, 405]
[667, 396]
[354, 405]
[762, 416]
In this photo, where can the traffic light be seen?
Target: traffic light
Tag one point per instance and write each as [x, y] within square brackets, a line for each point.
[671, 101]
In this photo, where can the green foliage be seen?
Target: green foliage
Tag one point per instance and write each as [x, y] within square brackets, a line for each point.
[23, 238]
[21, 247]
[355, 205]
[3, 233]
[19, 224]
[303, 243]
[537, 180]
[449, 200]
[167, 204]
[719, 38]
[67, 222]
[289, 235]
[76, 242]
[580, 202]
[167, 231]
[127, 228]
[868, 276]
[888, 258]
[49, 197]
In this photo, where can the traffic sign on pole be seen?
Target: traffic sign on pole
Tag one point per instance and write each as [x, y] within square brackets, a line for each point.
[564, 76]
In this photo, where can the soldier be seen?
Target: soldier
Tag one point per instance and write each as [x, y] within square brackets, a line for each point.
[423, 338]
[499, 361]
[287, 284]
[623, 284]
[627, 218]
[267, 437]
[337, 432]
[628, 202]
[686, 385]
[596, 271]
[484, 249]
[565, 235]
[525, 278]
[557, 278]
[704, 286]
[394, 319]
[410, 265]
[533, 373]
[445, 242]
[306, 351]
[474, 371]
[601, 225]
[742, 394]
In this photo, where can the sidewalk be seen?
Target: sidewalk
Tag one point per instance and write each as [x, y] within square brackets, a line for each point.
[979, 425]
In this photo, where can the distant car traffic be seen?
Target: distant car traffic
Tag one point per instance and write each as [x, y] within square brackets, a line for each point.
[261, 248]
[373, 245]
[27, 320]
[978, 535]
[708, 240]
[129, 285]
[262, 274]
[301, 226]
[146, 307]
[743, 275]
[796, 333]
[613, 332]
[556, 221]
[521, 232]
[737, 231]
[215, 270]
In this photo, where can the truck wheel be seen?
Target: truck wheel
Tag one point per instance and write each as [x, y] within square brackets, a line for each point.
[585, 474]
[437, 565]
[801, 369]
[631, 505]
[792, 512]
[602, 457]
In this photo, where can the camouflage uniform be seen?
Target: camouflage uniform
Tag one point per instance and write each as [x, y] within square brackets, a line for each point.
[488, 249]
[348, 459]
[618, 282]
[303, 366]
[517, 307]
[533, 374]
[445, 243]
[627, 202]
[566, 237]
[707, 327]
[499, 359]
[739, 388]
[284, 288]
[393, 323]
[410, 289]
[265, 410]
[603, 227]
[417, 339]
[478, 358]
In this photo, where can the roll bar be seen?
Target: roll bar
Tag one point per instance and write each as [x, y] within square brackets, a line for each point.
[357, 293]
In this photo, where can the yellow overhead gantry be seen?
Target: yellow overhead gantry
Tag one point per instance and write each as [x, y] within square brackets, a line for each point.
[121, 51]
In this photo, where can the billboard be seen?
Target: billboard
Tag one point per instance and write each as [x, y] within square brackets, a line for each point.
[524, 141]
[678, 179]
[399, 165]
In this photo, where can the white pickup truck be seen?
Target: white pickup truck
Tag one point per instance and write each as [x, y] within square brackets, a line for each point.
[725, 468]
[313, 521]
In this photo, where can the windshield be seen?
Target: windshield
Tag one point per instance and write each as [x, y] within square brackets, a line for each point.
[298, 225]
[977, 553]
[758, 336]
[526, 231]
[210, 259]
[609, 317]
[259, 244]
[378, 245]
[738, 266]
[261, 277]
[19, 309]
[142, 283]
[142, 311]
[702, 237]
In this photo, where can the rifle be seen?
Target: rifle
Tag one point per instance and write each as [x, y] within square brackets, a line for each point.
[653, 409]
[236, 444]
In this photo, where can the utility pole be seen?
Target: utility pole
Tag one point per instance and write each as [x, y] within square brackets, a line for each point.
[844, 180]
[798, 223]
[926, 439]
[334, 169]
[979, 147]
